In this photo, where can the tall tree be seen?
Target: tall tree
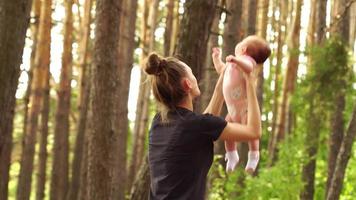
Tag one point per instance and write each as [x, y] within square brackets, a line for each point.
[233, 31]
[59, 177]
[290, 78]
[13, 25]
[141, 187]
[73, 190]
[193, 36]
[169, 25]
[105, 86]
[142, 115]
[343, 157]
[41, 68]
[126, 42]
[340, 19]
[42, 157]
[36, 12]
[281, 29]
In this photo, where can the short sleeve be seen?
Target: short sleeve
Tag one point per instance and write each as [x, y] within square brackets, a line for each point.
[212, 125]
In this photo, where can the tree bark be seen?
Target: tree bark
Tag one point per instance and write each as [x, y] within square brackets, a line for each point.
[283, 5]
[169, 25]
[75, 184]
[289, 80]
[141, 187]
[233, 31]
[126, 48]
[342, 159]
[194, 33]
[337, 123]
[142, 114]
[41, 68]
[36, 9]
[210, 75]
[104, 134]
[42, 160]
[59, 177]
[14, 18]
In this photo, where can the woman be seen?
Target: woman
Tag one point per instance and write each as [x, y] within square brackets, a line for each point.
[181, 141]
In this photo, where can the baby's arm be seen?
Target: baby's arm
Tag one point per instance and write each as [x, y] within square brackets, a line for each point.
[244, 63]
[218, 63]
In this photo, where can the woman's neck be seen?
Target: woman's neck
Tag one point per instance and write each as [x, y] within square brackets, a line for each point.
[187, 103]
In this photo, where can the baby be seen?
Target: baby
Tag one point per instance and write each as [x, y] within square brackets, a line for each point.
[249, 52]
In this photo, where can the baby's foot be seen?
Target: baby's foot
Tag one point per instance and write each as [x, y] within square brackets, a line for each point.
[253, 158]
[232, 159]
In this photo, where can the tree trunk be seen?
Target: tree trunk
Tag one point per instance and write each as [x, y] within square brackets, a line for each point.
[210, 75]
[193, 37]
[283, 5]
[36, 7]
[175, 28]
[41, 68]
[336, 136]
[312, 143]
[337, 123]
[126, 48]
[141, 187]
[13, 26]
[342, 159]
[73, 192]
[103, 134]
[233, 31]
[169, 26]
[42, 160]
[59, 178]
[289, 80]
[142, 114]
[321, 21]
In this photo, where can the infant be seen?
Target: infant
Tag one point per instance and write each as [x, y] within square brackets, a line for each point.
[249, 52]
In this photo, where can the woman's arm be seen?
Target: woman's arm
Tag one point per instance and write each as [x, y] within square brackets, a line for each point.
[217, 100]
[252, 130]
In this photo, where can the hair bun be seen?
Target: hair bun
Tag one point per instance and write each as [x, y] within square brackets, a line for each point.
[154, 65]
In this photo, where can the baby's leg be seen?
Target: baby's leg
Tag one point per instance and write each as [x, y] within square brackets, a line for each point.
[231, 156]
[253, 155]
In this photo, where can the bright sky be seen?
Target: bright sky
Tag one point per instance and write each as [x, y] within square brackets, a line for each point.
[57, 48]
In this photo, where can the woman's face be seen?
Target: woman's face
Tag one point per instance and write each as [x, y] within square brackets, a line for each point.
[191, 82]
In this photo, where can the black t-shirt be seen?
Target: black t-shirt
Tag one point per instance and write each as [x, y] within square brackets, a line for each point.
[181, 154]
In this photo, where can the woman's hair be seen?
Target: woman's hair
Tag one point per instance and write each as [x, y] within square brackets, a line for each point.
[166, 75]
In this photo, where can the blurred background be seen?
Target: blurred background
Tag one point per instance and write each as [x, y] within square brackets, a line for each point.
[76, 106]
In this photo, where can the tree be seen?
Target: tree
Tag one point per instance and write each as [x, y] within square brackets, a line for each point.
[59, 178]
[103, 134]
[290, 78]
[149, 25]
[168, 33]
[42, 157]
[74, 187]
[42, 61]
[126, 42]
[342, 159]
[340, 26]
[13, 26]
[194, 33]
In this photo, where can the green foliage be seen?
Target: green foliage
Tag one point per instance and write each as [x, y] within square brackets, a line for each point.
[330, 71]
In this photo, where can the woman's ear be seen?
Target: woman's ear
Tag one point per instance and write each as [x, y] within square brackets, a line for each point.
[187, 85]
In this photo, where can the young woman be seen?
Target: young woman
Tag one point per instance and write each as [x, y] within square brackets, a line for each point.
[181, 141]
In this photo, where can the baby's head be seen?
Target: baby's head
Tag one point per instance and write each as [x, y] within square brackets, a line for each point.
[254, 46]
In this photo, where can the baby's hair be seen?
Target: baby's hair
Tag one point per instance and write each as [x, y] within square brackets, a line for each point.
[257, 48]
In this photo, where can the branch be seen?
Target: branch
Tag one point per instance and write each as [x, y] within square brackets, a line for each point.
[339, 16]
